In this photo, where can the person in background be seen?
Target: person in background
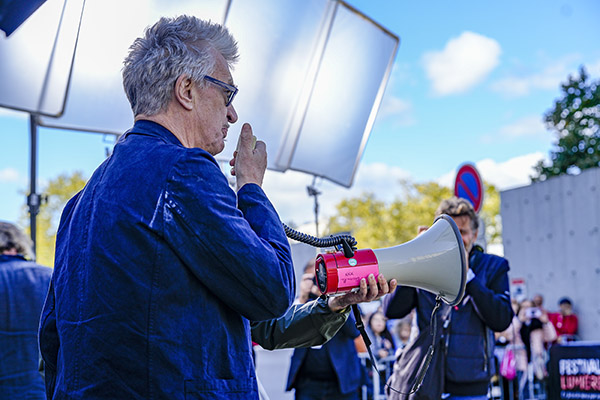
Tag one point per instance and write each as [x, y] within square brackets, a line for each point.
[403, 331]
[485, 308]
[565, 321]
[538, 301]
[382, 347]
[23, 287]
[316, 321]
[330, 371]
[382, 341]
[510, 339]
[536, 332]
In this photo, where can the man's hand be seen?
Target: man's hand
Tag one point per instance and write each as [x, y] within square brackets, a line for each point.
[249, 161]
[369, 292]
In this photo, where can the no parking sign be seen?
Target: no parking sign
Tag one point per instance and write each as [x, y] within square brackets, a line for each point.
[468, 185]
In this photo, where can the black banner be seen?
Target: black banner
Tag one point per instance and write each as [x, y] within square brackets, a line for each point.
[574, 371]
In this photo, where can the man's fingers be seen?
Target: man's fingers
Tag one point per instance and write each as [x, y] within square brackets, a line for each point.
[373, 289]
[363, 290]
[246, 140]
[383, 285]
[393, 285]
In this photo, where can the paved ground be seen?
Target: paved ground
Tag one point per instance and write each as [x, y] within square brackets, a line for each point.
[272, 370]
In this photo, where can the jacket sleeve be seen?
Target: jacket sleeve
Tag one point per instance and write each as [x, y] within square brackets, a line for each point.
[399, 303]
[492, 302]
[49, 343]
[235, 245]
[303, 325]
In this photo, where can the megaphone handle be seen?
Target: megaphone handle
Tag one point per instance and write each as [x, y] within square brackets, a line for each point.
[348, 250]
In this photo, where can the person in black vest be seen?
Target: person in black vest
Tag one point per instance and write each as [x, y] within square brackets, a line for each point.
[331, 371]
[486, 307]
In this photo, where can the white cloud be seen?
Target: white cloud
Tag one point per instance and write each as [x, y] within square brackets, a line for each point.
[509, 174]
[549, 78]
[396, 109]
[593, 69]
[531, 126]
[527, 126]
[464, 62]
[9, 175]
[403, 75]
[288, 191]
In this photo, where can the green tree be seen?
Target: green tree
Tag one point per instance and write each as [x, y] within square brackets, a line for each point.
[575, 119]
[490, 214]
[376, 224]
[57, 191]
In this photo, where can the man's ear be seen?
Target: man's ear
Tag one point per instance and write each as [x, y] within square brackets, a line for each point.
[184, 92]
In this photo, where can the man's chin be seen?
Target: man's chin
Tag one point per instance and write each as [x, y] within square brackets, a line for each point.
[217, 149]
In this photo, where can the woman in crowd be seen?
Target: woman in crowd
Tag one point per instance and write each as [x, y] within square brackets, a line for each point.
[527, 337]
[382, 340]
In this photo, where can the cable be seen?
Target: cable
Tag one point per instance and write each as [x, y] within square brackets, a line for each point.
[348, 242]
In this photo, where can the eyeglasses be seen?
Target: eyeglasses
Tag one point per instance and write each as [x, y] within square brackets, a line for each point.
[230, 91]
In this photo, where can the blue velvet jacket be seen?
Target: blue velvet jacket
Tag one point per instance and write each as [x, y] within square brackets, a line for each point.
[159, 268]
[23, 287]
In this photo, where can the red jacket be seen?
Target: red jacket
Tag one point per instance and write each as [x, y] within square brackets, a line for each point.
[564, 324]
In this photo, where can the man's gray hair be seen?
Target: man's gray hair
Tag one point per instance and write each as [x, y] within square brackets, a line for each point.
[457, 206]
[170, 48]
[11, 237]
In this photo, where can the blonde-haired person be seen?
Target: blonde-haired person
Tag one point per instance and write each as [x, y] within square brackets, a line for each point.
[485, 309]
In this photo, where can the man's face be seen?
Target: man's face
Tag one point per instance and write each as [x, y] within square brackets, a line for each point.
[469, 235]
[212, 118]
[565, 309]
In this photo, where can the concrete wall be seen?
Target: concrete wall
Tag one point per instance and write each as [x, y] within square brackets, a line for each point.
[551, 235]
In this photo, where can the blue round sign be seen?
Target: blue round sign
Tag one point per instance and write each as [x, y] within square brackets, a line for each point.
[468, 185]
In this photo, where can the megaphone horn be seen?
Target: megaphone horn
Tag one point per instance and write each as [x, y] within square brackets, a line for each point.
[434, 261]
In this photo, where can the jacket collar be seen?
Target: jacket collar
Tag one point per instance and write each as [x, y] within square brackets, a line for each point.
[7, 257]
[150, 128]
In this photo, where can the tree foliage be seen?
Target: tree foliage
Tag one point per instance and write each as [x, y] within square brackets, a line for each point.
[376, 224]
[575, 119]
[490, 214]
[57, 191]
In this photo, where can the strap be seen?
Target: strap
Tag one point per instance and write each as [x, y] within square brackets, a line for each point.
[361, 328]
[426, 361]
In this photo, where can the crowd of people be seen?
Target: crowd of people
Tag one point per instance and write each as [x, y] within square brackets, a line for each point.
[527, 341]
[164, 274]
[532, 331]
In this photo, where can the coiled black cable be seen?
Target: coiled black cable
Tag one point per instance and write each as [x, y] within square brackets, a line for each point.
[346, 241]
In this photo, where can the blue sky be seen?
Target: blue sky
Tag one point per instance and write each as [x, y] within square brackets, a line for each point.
[470, 83]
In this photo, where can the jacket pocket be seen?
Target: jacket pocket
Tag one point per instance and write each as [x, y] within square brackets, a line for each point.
[218, 389]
